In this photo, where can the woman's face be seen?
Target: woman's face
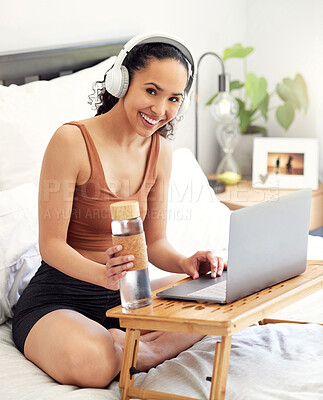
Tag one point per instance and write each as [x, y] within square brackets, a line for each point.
[154, 95]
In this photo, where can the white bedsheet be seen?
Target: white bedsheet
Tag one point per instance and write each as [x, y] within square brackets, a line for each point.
[315, 248]
[272, 362]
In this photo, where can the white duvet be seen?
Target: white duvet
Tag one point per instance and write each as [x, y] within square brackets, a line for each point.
[271, 362]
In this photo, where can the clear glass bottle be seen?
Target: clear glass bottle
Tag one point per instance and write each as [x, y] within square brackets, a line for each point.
[127, 230]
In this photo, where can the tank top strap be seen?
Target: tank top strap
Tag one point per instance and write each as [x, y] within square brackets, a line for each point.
[151, 170]
[95, 162]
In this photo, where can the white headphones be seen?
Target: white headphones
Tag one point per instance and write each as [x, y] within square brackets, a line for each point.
[117, 78]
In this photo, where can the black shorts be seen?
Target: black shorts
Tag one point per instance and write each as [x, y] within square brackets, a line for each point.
[51, 290]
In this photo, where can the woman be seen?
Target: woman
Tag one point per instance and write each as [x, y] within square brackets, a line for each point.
[121, 153]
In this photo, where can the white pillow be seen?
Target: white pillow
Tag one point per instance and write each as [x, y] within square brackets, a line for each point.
[19, 254]
[197, 220]
[31, 113]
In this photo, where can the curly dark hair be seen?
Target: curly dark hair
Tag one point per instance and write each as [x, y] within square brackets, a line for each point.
[137, 59]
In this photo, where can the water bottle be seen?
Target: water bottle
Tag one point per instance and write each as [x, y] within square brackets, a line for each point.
[127, 230]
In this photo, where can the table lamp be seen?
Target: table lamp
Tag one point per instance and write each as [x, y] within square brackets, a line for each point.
[224, 109]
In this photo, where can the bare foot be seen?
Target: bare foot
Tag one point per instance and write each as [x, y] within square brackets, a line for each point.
[156, 347]
[150, 336]
[149, 354]
[118, 336]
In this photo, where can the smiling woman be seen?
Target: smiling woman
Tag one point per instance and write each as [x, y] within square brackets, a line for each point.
[140, 58]
[120, 154]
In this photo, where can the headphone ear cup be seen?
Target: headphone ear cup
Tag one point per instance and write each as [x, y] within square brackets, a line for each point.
[124, 84]
[117, 81]
[184, 106]
[110, 80]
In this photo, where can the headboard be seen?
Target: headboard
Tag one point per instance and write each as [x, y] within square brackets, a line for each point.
[24, 67]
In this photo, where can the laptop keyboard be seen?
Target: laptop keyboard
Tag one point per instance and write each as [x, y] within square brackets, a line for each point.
[216, 292]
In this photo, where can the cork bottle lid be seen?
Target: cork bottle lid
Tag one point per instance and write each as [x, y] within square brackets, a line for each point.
[125, 210]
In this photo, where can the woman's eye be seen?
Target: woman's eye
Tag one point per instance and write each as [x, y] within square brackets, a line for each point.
[151, 91]
[174, 99]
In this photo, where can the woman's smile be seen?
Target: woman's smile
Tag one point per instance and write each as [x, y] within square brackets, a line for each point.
[148, 121]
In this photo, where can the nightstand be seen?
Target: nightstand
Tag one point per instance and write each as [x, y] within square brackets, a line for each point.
[243, 195]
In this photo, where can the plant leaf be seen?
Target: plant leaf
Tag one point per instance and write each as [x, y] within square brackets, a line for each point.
[242, 104]
[286, 92]
[236, 51]
[209, 102]
[285, 115]
[244, 116]
[263, 106]
[294, 92]
[256, 89]
[245, 120]
[301, 90]
[236, 85]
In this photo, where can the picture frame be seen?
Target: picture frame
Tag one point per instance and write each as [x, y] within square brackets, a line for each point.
[285, 163]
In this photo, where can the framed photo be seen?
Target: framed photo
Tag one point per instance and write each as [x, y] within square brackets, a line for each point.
[285, 163]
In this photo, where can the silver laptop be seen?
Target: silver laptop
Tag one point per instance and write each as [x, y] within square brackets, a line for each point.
[267, 245]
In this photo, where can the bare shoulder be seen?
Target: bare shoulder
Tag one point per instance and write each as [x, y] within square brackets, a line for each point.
[66, 149]
[67, 135]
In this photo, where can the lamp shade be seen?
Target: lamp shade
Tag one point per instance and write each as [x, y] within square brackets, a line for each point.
[224, 108]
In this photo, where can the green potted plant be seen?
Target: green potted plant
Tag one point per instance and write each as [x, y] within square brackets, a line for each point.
[255, 102]
[254, 98]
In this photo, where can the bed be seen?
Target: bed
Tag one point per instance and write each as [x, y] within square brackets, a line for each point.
[39, 91]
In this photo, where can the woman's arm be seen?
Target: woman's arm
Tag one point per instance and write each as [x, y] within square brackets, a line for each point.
[61, 166]
[160, 251]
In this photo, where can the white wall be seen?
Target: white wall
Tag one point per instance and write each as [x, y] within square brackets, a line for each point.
[287, 36]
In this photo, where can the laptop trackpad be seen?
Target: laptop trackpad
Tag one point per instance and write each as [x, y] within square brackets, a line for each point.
[203, 289]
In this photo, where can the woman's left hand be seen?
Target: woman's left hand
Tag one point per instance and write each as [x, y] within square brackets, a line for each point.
[202, 262]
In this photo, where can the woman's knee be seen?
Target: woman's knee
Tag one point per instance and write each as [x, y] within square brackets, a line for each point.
[73, 350]
[95, 365]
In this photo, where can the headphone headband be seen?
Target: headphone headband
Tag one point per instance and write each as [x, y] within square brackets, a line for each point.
[117, 82]
[158, 38]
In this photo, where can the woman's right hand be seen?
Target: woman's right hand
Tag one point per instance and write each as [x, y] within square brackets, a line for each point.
[116, 267]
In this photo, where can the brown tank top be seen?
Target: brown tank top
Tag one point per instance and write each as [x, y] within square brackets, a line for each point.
[90, 222]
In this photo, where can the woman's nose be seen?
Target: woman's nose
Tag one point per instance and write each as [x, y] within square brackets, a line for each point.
[159, 107]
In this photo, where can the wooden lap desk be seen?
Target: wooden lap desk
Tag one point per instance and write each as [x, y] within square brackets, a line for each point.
[207, 319]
